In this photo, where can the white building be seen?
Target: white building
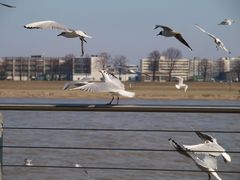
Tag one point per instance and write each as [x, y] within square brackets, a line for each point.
[162, 68]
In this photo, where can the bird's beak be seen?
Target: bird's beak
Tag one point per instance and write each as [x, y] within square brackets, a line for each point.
[159, 34]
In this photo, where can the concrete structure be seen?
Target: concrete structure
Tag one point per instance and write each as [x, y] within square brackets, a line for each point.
[88, 67]
[32, 68]
[162, 68]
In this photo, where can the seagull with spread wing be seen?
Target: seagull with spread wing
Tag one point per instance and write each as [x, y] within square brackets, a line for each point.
[68, 33]
[110, 84]
[217, 41]
[207, 163]
[168, 32]
[181, 84]
[209, 146]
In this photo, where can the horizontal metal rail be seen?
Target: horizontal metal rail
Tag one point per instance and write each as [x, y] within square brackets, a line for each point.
[119, 130]
[121, 108]
[107, 149]
[114, 168]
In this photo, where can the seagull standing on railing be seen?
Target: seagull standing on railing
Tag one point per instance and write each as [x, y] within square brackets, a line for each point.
[68, 33]
[208, 147]
[217, 41]
[181, 84]
[111, 84]
[207, 164]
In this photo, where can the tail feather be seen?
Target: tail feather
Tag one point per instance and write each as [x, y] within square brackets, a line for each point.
[126, 93]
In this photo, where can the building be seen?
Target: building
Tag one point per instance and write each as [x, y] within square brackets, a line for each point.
[163, 69]
[32, 68]
[87, 67]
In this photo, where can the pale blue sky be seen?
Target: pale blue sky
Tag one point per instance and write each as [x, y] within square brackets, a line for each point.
[119, 27]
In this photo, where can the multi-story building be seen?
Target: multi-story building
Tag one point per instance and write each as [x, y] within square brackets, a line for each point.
[87, 67]
[163, 69]
[32, 68]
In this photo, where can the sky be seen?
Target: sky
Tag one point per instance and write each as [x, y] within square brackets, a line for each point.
[119, 27]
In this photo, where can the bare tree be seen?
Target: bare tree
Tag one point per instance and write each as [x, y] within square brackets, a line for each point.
[205, 69]
[67, 67]
[105, 57]
[118, 63]
[172, 54]
[154, 66]
[3, 72]
[236, 70]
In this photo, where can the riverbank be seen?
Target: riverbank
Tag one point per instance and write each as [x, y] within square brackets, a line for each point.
[146, 90]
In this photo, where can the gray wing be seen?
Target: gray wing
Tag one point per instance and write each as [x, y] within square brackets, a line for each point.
[204, 137]
[46, 25]
[180, 38]
[111, 78]
[96, 87]
[180, 80]
[208, 162]
[179, 148]
[201, 29]
[7, 5]
[74, 83]
[206, 148]
[165, 28]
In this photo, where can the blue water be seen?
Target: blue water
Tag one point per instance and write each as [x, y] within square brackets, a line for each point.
[115, 120]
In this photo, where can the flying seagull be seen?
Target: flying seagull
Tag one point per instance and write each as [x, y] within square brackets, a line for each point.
[181, 84]
[217, 41]
[207, 164]
[110, 84]
[68, 33]
[209, 147]
[7, 5]
[227, 22]
[168, 32]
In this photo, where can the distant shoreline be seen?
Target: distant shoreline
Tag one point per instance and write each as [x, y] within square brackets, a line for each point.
[143, 90]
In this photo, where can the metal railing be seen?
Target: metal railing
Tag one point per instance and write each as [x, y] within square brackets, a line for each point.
[108, 108]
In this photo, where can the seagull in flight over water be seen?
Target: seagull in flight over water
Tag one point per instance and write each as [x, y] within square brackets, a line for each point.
[110, 84]
[207, 164]
[217, 41]
[181, 84]
[68, 33]
[168, 32]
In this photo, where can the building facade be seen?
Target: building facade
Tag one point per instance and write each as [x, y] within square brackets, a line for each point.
[163, 69]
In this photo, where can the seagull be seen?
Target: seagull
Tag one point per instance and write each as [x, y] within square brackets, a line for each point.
[7, 5]
[217, 41]
[68, 33]
[207, 164]
[168, 32]
[180, 84]
[209, 147]
[227, 22]
[28, 162]
[110, 84]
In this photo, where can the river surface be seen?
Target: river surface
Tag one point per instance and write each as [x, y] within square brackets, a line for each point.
[113, 139]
